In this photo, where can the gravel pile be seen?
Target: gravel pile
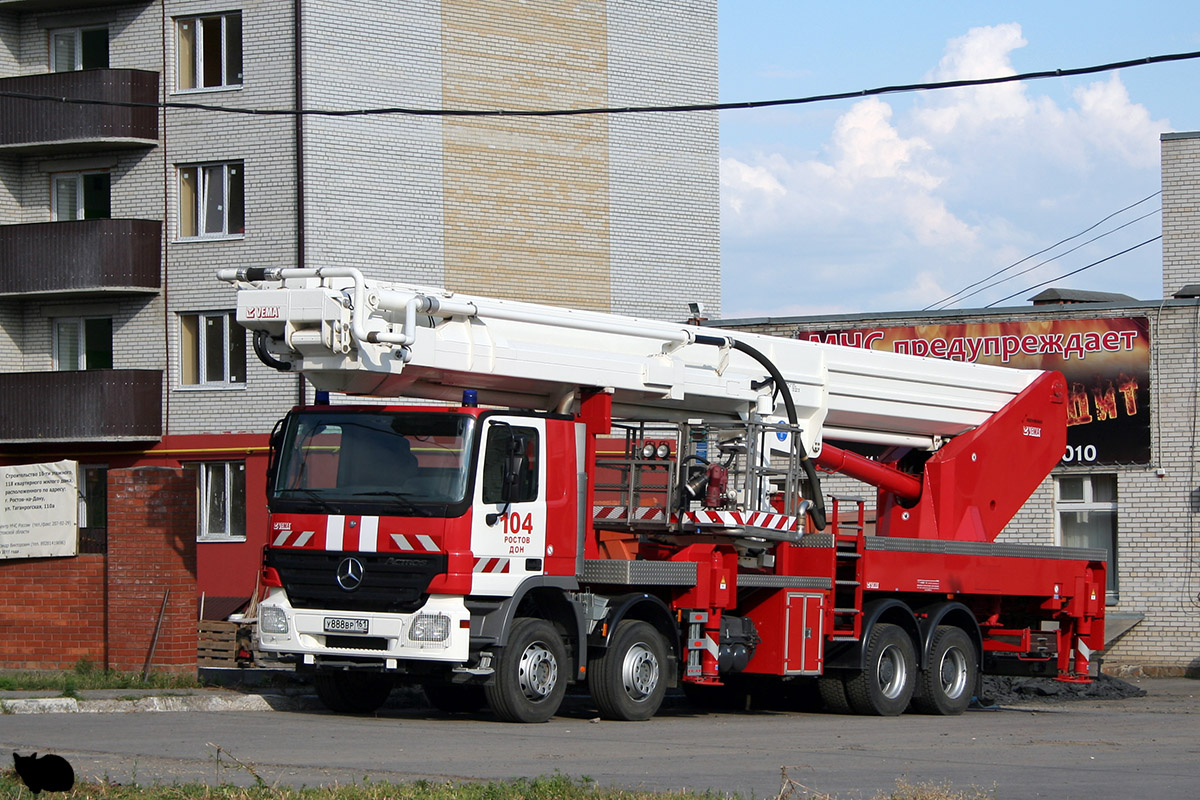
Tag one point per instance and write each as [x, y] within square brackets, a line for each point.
[1004, 690]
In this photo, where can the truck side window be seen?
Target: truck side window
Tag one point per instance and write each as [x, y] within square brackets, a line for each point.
[493, 464]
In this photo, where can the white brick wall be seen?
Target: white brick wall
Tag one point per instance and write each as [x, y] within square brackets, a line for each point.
[1180, 210]
[664, 182]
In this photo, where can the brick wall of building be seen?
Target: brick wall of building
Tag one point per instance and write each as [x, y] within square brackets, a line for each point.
[1180, 210]
[664, 216]
[52, 612]
[151, 551]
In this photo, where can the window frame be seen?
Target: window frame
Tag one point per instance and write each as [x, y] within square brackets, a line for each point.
[194, 202]
[199, 363]
[77, 34]
[81, 352]
[1088, 503]
[234, 518]
[80, 194]
[197, 50]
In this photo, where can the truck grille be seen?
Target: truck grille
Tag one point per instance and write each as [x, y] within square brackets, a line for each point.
[390, 582]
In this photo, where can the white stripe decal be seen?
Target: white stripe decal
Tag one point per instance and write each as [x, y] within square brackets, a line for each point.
[335, 527]
[281, 538]
[304, 537]
[368, 535]
[401, 541]
[710, 644]
[427, 542]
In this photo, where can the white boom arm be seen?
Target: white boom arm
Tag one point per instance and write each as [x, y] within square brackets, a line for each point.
[348, 334]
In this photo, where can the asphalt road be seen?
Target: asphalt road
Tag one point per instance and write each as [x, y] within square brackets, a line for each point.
[1118, 749]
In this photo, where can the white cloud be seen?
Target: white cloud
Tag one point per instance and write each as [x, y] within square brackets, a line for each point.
[912, 205]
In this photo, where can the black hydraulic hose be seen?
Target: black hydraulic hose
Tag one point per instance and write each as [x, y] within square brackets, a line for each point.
[260, 350]
[817, 511]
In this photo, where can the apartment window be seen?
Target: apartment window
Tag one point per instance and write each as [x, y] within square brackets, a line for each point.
[221, 496]
[209, 52]
[212, 350]
[80, 195]
[1086, 507]
[78, 48]
[212, 201]
[83, 343]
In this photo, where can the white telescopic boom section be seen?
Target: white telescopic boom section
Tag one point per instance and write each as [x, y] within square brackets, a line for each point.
[349, 334]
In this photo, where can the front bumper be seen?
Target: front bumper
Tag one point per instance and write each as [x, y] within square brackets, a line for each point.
[388, 637]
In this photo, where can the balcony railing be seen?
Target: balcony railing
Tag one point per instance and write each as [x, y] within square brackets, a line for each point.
[92, 255]
[42, 126]
[85, 406]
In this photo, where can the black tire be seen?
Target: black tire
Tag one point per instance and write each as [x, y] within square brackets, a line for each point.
[832, 690]
[454, 698]
[629, 679]
[948, 682]
[885, 687]
[353, 692]
[531, 673]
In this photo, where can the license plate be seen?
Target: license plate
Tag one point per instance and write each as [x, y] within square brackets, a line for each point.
[345, 625]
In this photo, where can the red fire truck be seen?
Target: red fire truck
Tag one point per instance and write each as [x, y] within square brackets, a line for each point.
[634, 505]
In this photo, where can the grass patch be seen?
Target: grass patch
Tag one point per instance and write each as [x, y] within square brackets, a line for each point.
[86, 676]
[557, 787]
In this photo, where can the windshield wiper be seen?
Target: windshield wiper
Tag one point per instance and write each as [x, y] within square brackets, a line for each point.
[315, 496]
[406, 501]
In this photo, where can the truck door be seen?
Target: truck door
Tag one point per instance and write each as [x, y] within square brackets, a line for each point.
[508, 525]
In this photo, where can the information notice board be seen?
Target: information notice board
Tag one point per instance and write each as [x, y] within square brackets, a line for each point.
[39, 510]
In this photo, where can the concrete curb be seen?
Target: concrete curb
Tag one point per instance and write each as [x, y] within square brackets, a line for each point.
[201, 702]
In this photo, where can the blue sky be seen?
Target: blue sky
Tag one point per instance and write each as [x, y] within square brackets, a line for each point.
[896, 202]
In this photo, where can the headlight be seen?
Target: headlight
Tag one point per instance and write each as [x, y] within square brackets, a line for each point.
[272, 620]
[663, 450]
[648, 450]
[430, 628]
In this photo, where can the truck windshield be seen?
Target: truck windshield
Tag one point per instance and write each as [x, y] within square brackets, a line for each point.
[374, 462]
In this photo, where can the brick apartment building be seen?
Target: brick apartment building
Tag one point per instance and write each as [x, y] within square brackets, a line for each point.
[1129, 481]
[117, 345]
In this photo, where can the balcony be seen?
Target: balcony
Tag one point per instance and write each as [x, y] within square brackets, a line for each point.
[100, 405]
[53, 5]
[85, 256]
[45, 127]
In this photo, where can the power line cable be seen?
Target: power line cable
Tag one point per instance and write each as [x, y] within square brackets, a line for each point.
[569, 112]
[951, 297]
[1027, 270]
[1075, 271]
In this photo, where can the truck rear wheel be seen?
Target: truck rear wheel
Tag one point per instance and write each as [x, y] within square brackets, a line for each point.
[948, 682]
[353, 692]
[885, 687]
[628, 680]
[531, 673]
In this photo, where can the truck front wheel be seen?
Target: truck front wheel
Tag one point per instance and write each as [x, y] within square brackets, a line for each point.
[947, 685]
[531, 673]
[886, 685]
[628, 680]
[351, 692]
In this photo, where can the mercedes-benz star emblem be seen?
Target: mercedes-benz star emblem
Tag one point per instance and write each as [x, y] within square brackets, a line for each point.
[350, 574]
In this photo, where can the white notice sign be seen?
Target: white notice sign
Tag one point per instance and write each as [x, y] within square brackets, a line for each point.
[39, 510]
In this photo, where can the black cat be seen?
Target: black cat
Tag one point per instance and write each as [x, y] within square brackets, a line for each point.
[46, 774]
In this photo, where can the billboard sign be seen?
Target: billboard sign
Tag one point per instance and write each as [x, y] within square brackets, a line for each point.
[1106, 362]
[39, 510]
